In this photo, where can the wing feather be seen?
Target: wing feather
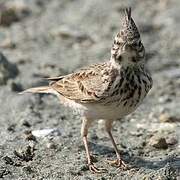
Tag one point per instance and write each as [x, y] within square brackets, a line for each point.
[87, 85]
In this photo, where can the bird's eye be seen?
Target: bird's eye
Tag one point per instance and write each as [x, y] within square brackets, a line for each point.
[133, 59]
[119, 58]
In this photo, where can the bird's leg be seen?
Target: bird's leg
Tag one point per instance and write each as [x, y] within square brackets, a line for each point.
[84, 131]
[118, 162]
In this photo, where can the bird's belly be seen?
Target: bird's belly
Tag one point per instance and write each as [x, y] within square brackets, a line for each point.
[99, 111]
[112, 110]
[108, 112]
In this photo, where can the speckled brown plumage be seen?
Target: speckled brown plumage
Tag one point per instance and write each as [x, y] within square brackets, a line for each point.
[108, 90]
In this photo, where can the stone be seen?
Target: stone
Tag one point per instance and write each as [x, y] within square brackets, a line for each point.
[29, 136]
[171, 141]
[51, 145]
[13, 11]
[158, 142]
[7, 16]
[165, 117]
[7, 70]
[25, 154]
[16, 87]
[8, 160]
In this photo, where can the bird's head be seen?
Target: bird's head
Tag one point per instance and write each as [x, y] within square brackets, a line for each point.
[127, 48]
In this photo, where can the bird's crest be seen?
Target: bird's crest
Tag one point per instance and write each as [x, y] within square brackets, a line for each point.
[128, 36]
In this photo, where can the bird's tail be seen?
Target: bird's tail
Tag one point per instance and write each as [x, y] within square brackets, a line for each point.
[42, 89]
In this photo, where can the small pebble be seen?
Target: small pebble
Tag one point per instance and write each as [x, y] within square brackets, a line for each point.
[25, 123]
[11, 127]
[29, 136]
[7, 70]
[164, 99]
[158, 142]
[27, 169]
[16, 87]
[13, 11]
[8, 160]
[7, 15]
[25, 154]
[172, 141]
[50, 145]
[4, 172]
[47, 132]
[165, 117]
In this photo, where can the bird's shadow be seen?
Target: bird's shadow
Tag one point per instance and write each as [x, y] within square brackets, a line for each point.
[137, 161]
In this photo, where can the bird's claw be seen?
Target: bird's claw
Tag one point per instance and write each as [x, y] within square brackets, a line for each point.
[94, 169]
[118, 163]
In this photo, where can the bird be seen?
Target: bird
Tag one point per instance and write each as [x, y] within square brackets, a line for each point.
[109, 90]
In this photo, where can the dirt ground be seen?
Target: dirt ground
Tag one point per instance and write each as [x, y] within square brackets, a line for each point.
[41, 38]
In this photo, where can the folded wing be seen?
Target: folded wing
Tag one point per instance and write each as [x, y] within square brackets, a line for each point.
[87, 85]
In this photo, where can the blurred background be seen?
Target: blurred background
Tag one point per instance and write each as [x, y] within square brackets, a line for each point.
[41, 38]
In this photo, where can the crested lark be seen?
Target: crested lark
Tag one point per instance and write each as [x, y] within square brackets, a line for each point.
[108, 90]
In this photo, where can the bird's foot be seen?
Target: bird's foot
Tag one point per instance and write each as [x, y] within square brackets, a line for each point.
[94, 169]
[118, 163]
